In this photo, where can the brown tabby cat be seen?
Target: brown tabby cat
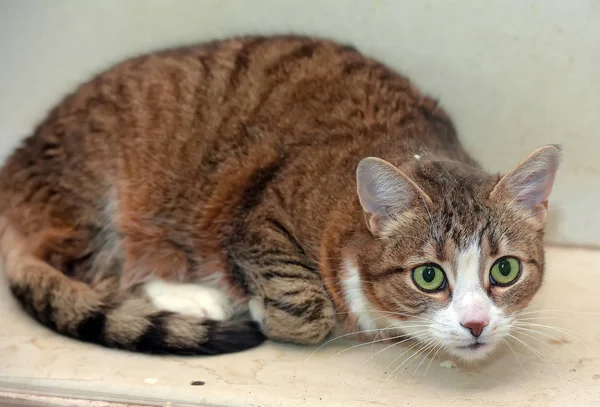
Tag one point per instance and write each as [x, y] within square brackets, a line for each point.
[176, 194]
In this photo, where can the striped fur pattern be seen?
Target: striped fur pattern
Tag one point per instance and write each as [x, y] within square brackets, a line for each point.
[197, 200]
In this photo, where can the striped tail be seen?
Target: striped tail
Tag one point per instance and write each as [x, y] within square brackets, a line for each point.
[117, 320]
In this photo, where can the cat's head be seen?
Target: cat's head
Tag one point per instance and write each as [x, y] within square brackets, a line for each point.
[453, 252]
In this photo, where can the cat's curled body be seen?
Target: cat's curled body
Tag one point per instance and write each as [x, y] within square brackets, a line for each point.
[172, 194]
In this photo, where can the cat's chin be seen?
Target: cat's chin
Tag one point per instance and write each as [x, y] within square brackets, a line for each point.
[472, 353]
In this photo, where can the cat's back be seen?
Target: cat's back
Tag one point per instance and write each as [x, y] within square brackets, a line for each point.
[190, 104]
[205, 94]
[288, 84]
[187, 119]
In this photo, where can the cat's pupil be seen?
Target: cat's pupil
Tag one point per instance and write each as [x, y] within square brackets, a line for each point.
[428, 274]
[504, 268]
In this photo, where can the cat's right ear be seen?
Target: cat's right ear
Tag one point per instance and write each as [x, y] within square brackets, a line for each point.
[385, 192]
[530, 183]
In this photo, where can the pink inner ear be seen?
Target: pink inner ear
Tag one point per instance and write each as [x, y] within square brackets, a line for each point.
[531, 182]
[373, 222]
[534, 189]
[384, 192]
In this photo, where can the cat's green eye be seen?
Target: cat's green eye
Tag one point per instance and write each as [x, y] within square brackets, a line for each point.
[429, 277]
[505, 271]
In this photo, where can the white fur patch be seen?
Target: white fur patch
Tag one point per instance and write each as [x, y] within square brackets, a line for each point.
[467, 269]
[355, 297]
[371, 322]
[257, 311]
[470, 302]
[190, 299]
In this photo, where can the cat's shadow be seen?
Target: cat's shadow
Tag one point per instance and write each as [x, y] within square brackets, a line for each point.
[501, 369]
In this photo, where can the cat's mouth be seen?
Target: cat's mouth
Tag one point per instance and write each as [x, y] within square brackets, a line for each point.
[474, 351]
[474, 346]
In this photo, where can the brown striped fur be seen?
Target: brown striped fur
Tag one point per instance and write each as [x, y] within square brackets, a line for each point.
[237, 159]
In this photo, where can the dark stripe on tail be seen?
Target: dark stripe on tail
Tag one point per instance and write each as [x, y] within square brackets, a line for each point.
[221, 336]
[92, 329]
[232, 336]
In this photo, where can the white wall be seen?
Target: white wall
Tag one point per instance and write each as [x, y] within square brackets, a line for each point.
[514, 74]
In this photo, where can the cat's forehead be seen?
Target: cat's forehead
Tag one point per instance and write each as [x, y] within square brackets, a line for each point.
[459, 216]
[461, 212]
[452, 182]
[452, 236]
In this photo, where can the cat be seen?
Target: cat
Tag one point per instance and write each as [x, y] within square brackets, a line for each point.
[202, 199]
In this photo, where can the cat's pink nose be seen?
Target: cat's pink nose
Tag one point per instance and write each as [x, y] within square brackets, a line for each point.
[475, 326]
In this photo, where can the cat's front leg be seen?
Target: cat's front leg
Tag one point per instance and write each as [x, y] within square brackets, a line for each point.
[289, 300]
[299, 313]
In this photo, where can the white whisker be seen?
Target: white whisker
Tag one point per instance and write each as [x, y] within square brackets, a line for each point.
[391, 346]
[399, 326]
[514, 353]
[380, 340]
[384, 312]
[440, 347]
[530, 311]
[403, 353]
[335, 339]
[523, 331]
[563, 331]
[409, 359]
[423, 360]
[535, 352]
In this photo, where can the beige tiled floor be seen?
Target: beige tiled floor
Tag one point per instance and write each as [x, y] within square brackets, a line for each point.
[564, 373]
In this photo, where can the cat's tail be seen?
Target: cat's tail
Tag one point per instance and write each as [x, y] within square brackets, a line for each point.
[121, 320]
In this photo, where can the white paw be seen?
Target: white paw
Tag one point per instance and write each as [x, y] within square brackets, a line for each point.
[190, 299]
[257, 311]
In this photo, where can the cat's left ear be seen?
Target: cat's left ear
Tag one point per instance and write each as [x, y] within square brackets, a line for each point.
[385, 192]
[530, 183]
